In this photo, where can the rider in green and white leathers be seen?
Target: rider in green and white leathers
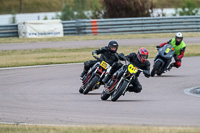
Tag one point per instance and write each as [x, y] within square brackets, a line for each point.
[179, 47]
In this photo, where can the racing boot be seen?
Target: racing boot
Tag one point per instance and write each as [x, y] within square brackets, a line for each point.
[170, 66]
[105, 79]
[83, 73]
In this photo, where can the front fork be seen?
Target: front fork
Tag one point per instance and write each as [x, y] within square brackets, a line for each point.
[129, 81]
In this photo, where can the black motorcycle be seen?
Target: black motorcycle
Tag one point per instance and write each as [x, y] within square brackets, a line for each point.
[162, 59]
[120, 81]
[93, 79]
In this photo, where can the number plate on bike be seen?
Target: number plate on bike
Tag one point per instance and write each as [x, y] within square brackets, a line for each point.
[132, 69]
[103, 64]
[167, 50]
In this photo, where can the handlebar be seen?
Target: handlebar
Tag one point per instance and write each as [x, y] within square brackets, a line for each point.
[99, 59]
[140, 70]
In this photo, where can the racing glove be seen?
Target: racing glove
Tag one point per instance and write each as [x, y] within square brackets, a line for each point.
[176, 58]
[158, 46]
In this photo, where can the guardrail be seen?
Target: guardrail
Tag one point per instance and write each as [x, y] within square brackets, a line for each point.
[9, 30]
[140, 25]
[120, 26]
[69, 28]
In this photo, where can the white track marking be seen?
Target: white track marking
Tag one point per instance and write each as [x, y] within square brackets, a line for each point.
[187, 91]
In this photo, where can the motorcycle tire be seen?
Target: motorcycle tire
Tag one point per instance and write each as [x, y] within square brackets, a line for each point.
[156, 67]
[91, 85]
[81, 89]
[159, 74]
[104, 96]
[118, 92]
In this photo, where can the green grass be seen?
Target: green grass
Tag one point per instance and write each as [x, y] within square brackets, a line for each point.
[48, 56]
[94, 129]
[91, 37]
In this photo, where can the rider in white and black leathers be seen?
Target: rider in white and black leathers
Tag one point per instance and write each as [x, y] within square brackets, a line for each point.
[140, 61]
[108, 54]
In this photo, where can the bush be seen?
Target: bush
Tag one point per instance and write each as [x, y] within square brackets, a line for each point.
[67, 13]
[75, 11]
[126, 8]
[188, 8]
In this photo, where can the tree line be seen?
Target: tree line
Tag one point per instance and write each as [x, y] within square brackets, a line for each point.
[95, 9]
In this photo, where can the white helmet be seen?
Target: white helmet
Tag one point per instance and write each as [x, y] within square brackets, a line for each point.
[178, 38]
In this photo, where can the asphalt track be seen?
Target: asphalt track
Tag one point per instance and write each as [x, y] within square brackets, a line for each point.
[49, 95]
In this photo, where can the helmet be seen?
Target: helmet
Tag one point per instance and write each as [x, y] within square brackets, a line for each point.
[142, 54]
[178, 38]
[113, 46]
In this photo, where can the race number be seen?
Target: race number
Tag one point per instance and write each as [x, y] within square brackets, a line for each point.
[167, 50]
[132, 69]
[103, 64]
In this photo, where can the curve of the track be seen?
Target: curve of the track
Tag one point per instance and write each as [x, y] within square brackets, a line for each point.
[49, 95]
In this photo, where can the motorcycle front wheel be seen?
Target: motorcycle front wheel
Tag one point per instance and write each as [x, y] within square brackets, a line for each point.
[81, 89]
[155, 68]
[91, 85]
[104, 96]
[118, 92]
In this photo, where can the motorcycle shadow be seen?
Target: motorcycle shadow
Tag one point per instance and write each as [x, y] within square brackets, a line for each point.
[131, 100]
[169, 76]
[94, 94]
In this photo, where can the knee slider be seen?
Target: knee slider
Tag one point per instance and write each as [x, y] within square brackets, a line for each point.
[177, 64]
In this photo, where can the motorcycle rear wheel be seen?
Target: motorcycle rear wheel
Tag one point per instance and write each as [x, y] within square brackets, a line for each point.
[104, 96]
[118, 92]
[91, 85]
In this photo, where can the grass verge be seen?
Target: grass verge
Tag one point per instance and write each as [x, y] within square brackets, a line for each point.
[48, 56]
[99, 37]
[94, 129]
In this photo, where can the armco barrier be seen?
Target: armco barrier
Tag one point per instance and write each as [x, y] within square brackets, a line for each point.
[69, 28]
[9, 30]
[141, 25]
[120, 26]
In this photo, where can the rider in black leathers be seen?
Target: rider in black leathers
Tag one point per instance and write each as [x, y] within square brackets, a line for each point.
[139, 60]
[108, 54]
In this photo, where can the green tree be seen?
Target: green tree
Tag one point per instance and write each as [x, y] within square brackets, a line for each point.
[189, 7]
[97, 9]
[80, 8]
[75, 11]
[67, 13]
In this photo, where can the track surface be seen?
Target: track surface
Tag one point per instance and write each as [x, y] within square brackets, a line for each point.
[49, 95]
[92, 43]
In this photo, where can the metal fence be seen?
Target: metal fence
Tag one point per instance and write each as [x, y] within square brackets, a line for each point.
[121, 26]
[8, 30]
[140, 25]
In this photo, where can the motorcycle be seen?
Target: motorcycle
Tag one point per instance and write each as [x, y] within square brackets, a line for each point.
[120, 81]
[93, 79]
[162, 59]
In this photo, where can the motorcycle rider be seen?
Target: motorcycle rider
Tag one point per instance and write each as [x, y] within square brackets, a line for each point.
[140, 61]
[179, 47]
[108, 54]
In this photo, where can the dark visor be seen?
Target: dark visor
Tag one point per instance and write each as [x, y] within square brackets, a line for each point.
[144, 56]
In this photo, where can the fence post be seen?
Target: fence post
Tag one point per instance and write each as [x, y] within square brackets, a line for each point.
[94, 27]
[78, 29]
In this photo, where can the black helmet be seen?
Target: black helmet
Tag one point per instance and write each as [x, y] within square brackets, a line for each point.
[178, 38]
[113, 46]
